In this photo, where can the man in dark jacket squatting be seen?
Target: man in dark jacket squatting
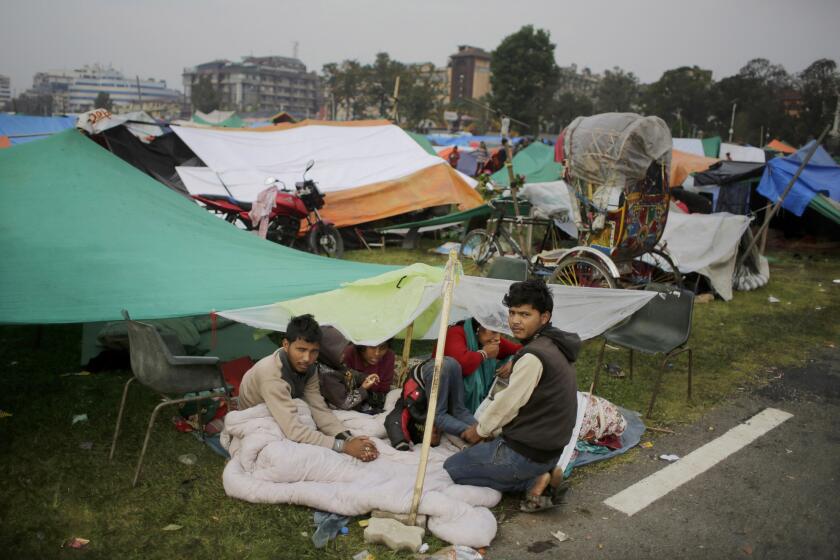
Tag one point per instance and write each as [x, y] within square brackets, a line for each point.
[534, 416]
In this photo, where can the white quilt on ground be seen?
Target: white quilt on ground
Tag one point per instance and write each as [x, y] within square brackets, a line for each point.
[265, 467]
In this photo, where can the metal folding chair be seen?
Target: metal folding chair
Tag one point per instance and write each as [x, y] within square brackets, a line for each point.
[662, 326]
[163, 368]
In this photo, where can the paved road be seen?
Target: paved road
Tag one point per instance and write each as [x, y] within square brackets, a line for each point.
[777, 498]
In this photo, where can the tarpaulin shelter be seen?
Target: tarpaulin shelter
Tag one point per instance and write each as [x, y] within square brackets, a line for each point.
[726, 172]
[19, 129]
[468, 139]
[423, 141]
[711, 146]
[776, 145]
[684, 164]
[373, 310]
[535, 162]
[158, 157]
[466, 162]
[225, 119]
[139, 123]
[369, 170]
[820, 177]
[108, 238]
[734, 152]
[693, 146]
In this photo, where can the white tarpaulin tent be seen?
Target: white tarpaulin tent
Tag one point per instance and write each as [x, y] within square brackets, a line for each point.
[585, 311]
[735, 152]
[100, 120]
[689, 146]
[346, 157]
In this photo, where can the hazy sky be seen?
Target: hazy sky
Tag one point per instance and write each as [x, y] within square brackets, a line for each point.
[158, 38]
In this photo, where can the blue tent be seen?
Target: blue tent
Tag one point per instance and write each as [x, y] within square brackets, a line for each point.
[820, 176]
[24, 128]
[466, 140]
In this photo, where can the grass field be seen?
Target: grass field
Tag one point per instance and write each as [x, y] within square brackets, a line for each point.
[51, 489]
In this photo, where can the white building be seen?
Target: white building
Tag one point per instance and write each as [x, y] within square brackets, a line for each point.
[76, 90]
[5, 90]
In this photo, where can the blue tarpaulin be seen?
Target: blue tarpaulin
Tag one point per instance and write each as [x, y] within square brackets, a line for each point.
[25, 128]
[466, 140]
[820, 176]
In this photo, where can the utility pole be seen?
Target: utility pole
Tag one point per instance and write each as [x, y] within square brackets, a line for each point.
[732, 121]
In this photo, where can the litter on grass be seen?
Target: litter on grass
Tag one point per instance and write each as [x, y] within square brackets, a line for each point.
[560, 536]
[76, 542]
[4, 414]
[188, 459]
[79, 418]
[773, 299]
[172, 527]
[646, 444]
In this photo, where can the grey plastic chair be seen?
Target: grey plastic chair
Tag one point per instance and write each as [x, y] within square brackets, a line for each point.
[508, 268]
[662, 326]
[162, 367]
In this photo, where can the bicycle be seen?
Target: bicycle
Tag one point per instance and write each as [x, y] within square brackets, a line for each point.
[481, 245]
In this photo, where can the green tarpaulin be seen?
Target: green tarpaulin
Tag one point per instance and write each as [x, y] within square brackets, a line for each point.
[231, 122]
[826, 207]
[423, 141]
[536, 163]
[84, 235]
[711, 146]
[454, 218]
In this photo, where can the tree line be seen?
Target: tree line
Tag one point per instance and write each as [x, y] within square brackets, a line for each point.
[762, 101]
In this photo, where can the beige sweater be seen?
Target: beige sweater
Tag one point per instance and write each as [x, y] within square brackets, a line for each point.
[264, 383]
[505, 404]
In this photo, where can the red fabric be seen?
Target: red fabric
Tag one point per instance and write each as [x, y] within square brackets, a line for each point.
[456, 347]
[384, 368]
[611, 441]
[235, 370]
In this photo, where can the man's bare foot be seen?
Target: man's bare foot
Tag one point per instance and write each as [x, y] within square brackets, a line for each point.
[556, 477]
[540, 485]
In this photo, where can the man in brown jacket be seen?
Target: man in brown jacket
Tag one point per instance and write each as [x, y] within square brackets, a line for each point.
[291, 373]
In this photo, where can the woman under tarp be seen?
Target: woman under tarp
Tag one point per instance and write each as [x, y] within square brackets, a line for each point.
[482, 354]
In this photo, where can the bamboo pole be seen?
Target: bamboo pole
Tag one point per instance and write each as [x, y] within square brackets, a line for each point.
[448, 286]
[514, 193]
[409, 334]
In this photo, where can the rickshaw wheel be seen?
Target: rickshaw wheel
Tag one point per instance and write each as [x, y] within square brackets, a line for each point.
[638, 273]
[479, 247]
[582, 271]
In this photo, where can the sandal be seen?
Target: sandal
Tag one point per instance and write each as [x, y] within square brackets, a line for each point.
[550, 499]
[533, 504]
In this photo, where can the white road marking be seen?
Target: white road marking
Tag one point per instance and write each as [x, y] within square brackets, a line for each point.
[637, 497]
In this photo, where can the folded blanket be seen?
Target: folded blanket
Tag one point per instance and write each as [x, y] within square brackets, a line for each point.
[265, 467]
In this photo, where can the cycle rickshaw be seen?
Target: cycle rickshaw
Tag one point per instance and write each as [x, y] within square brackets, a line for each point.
[617, 166]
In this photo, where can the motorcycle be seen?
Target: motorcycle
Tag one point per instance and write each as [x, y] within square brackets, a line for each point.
[290, 208]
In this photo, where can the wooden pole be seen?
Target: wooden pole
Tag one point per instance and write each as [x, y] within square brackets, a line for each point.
[514, 192]
[396, 100]
[762, 232]
[448, 286]
[409, 334]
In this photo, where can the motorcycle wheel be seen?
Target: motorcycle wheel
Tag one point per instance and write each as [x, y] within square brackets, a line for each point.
[324, 239]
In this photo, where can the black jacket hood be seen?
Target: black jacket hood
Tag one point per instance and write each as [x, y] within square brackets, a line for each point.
[566, 342]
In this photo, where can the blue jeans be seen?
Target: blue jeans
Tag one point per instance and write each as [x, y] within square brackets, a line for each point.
[452, 415]
[495, 465]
